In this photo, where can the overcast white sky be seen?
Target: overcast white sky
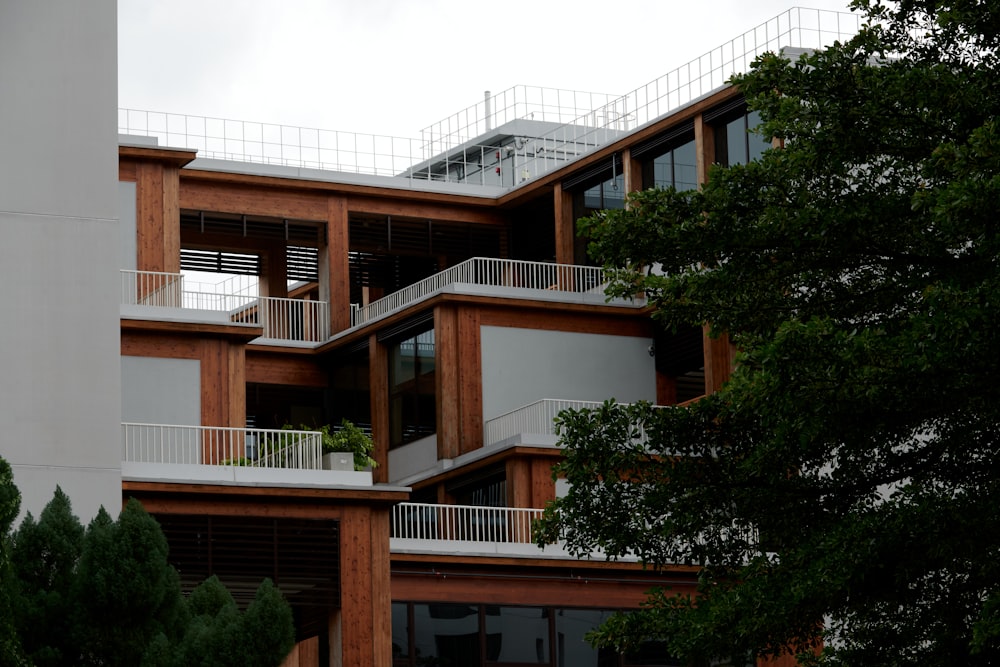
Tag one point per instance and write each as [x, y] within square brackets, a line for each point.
[393, 67]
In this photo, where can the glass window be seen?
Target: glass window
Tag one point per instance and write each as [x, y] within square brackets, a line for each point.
[517, 635]
[677, 167]
[412, 404]
[734, 141]
[572, 650]
[606, 194]
[446, 634]
[400, 633]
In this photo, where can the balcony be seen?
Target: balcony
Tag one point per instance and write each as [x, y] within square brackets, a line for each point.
[468, 529]
[288, 321]
[200, 454]
[513, 278]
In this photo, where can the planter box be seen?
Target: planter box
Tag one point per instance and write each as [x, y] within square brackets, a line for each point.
[338, 461]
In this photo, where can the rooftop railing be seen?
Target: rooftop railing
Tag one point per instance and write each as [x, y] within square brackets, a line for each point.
[798, 27]
[464, 523]
[536, 418]
[220, 446]
[490, 272]
[583, 126]
[281, 318]
[550, 105]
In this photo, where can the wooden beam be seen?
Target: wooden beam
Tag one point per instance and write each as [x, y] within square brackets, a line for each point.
[299, 371]
[221, 197]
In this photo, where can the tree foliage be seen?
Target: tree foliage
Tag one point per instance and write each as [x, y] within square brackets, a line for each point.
[108, 596]
[843, 489]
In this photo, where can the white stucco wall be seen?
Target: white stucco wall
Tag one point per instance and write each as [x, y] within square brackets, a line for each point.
[521, 366]
[60, 402]
[161, 391]
[126, 225]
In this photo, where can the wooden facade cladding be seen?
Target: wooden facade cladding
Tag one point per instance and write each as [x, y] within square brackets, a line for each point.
[222, 368]
[283, 366]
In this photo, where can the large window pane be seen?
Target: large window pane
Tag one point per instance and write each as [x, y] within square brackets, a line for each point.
[412, 398]
[400, 632]
[572, 650]
[517, 635]
[446, 634]
[676, 167]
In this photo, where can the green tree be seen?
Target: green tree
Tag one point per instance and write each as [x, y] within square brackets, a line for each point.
[844, 485]
[108, 596]
[11, 652]
[44, 558]
[220, 636]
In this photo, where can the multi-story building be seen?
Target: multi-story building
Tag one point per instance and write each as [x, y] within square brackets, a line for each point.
[432, 292]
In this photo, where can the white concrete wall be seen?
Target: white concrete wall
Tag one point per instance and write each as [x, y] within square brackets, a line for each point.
[126, 225]
[59, 244]
[161, 391]
[521, 366]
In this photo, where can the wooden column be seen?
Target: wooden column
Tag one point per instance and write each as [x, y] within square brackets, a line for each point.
[518, 482]
[365, 621]
[720, 355]
[632, 171]
[157, 218]
[458, 380]
[446, 381]
[565, 227]
[275, 279]
[338, 292]
[378, 382]
[223, 383]
[543, 487]
[529, 482]
[704, 141]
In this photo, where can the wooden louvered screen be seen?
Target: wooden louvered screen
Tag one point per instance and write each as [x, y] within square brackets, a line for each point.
[301, 556]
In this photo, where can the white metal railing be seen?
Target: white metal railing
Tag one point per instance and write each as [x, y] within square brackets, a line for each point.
[537, 418]
[152, 288]
[485, 271]
[798, 27]
[211, 445]
[583, 128]
[294, 319]
[466, 523]
[281, 318]
[551, 105]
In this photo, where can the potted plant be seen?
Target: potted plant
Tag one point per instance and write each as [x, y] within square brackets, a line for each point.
[347, 439]
[346, 448]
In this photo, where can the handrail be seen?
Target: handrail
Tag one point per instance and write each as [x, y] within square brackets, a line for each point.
[485, 271]
[282, 318]
[536, 418]
[219, 445]
[465, 523]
